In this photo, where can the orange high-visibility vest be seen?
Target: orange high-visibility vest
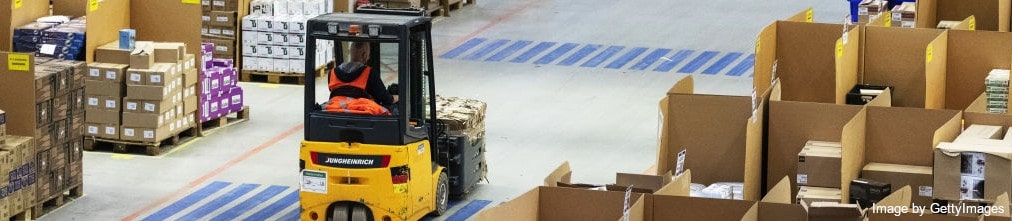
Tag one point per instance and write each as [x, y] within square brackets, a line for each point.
[353, 105]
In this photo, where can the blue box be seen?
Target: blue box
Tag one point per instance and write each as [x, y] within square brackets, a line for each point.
[127, 39]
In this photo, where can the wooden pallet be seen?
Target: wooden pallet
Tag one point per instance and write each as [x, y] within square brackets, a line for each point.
[281, 78]
[24, 215]
[137, 147]
[57, 201]
[223, 121]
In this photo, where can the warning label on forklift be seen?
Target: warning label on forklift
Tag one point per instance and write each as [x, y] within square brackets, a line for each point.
[314, 181]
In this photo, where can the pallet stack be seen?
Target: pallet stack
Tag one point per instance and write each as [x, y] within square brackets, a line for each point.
[220, 26]
[59, 144]
[274, 37]
[463, 123]
[51, 38]
[18, 188]
[220, 94]
[142, 95]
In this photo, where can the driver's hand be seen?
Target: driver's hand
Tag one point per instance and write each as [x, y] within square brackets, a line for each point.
[396, 98]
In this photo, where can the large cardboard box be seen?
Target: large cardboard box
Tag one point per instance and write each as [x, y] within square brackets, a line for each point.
[991, 15]
[559, 203]
[917, 177]
[809, 59]
[169, 52]
[949, 181]
[727, 149]
[104, 88]
[146, 92]
[912, 61]
[102, 116]
[971, 56]
[819, 166]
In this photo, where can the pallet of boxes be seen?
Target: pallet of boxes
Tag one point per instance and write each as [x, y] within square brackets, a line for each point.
[463, 122]
[274, 41]
[220, 26]
[17, 189]
[219, 94]
[141, 96]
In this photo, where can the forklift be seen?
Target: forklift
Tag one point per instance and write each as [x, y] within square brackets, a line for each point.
[371, 168]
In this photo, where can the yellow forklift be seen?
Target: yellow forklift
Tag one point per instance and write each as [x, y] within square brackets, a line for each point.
[372, 168]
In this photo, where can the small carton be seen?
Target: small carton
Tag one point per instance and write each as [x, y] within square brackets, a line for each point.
[142, 59]
[917, 177]
[166, 52]
[818, 194]
[971, 171]
[127, 39]
[819, 166]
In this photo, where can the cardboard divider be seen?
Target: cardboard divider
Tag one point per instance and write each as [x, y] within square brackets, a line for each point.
[113, 15]
[912, 61]
[714, 131]
[991, 15]
[852, 140]
[971, 55]
[149, 19]
[976, 113]
[777, 204]
[13, 16]
[806, 15]
[677, 208]
[792, 124]
[885, 99]
[73, 8]
[18, 87]
[806, 57]
[557, 203]
[883, 20]
[970, 23]
[908, 136]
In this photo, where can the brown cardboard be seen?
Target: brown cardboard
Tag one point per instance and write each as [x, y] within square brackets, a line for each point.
[148, 18]
[727, 150]
[142, 59]
[114, 15]
[834, 211]
[144, 120]
[819, 168]
[792, 124]
[908, 136]
[971, 56]
[190, 77]
[947, 170]
[166, 52]
[807, 60]
[29, 11]
[102, 116]
[145, 134]
[223, 18]
[555, 203]
[189, 63]
[898, 57]
[103, 88]
[777, 204]
[112, 54]
[918, 177]
[976, 113]
[991, 15]
[145, 92]
[970, 23]
[648, 182]
[223, 48]
[146, 106]
[102, 102]
[980, 131]
[808, 195]
[18, 89]
[673, 208]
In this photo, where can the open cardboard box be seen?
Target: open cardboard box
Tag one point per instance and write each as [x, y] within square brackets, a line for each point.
[991, 15]
[639, 183]
[912, 61]
[908, 136]
[778, 205]
[672, 203]
[559, 203]
[721, 137]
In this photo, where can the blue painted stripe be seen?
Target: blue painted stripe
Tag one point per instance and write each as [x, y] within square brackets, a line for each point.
[537, 49]
[555, 54]
[601, 57]
[250, 203]
[650, 59]
[463, 48]
[626, 58]
[449, 205]
[745, 64]
[697, 63]
[292, 216]
[674, 60]
[489, 48]
[513, 48]
[722, 63]
[469, 210]
[187, 201]
[219, 202]
[277, 206]
[579, 55]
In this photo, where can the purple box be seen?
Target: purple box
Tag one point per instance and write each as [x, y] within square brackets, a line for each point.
[224, 104]
[230, 77]
[218, 62]
[205, 110]
[206, 48]
[237, 99]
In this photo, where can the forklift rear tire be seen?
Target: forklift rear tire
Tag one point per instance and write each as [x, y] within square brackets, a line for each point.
[442, 195]
[340, 213]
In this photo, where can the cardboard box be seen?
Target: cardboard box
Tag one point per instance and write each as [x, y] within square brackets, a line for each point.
[917, 177]
[147, 92]
[102, 116]
[109, 131]
[807, 61]
[111, 53]
[980, 132]
[818, 194]
[147, 120]
[990, 15]
[108, 72]
[819, 166]
[224, 18]
[189, 62]
[146, 106]
[865, 192]
[103, 88]
[102, 102]
[190, 104]
[146, 134]
[834, 211]
[142, 59]
[777, 204]
[918, 76]
[166, 52]
[955, 161]
[223, 48]
[554, 203]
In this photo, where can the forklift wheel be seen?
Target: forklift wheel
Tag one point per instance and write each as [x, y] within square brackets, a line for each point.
[442, 195]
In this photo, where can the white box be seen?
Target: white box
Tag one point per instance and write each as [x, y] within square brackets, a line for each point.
[249, 23]
[250, 63]
[264, 51]
[203, 30]
[296, 52]
[298, 40]
[279, 52]
[266, 64]
[265, 38]
[249, 50]
[297, 24]
[280, 39]
[279, 24]
[297, 65]
[264, 24]
[281, 65]
[250, 37]
[296, 7]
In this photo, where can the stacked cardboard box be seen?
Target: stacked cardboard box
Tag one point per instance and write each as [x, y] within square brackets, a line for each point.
[917, 177]
[274, 36]
[18, 188]
[142, 94]
[819, 164]
[905, 14]
[220, 93]
[868, 9]
[220, 25]
[61, 118]
[997, 83]
[3, 125]
[55, 40]
[974, 167]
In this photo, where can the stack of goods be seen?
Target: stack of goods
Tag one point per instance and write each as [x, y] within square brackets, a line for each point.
[905, 14]
[869, 9]
[808, 195]
[718, 191]
[819, 165]
[997, 91]
[53, 37]
[274, 36]
[220, 94]
[917, 177]
[463, 123]
[975, 166]
[61, 115]
[220, 26]
[18, 188]
[145, 95]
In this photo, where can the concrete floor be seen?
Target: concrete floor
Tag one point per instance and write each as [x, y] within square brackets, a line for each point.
[601, 120]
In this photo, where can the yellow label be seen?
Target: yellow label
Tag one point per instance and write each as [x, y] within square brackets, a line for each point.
[973, 23]
[839, 48]
[17, 4]
[92, 5]
[929, 54]
[400, 188]
[193, 2]
[757, 46]
[888, 20]
[809, 16]
[18, 62]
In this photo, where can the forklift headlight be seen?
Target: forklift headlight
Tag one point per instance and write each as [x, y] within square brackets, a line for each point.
[374, 30]
[332, 28]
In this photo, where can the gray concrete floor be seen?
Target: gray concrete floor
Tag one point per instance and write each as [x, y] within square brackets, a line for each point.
[601, 120]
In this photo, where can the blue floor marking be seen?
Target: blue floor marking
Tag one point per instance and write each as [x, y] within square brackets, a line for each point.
[469, 210]
[722, 63]
[277, 206]
[601, 57]
[488, 49]
[650, 59]
[513, 48]
[626, 58]
[674, 60]
[217, 203]
[250, 203]
[697, 63]
[743, 66]
[463, 48]
[555, 54]
[185, 202]
[580, 54]
[530, 53]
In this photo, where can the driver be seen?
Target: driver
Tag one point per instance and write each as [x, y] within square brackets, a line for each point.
[354, 88]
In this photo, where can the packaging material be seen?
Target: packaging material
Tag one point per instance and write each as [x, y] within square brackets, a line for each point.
[919, 76]
[276, 38]
[917, 177]
[819, 166]
[461, 116]
[147, 134]
[865, 192]
[804, 56]
[127, 39]
[220, 94]
[947, 24]
[18, 154]
[45, 38]
[818, 194]
[905, 14]
[550, 203]
[973, 54]
[997, 90]
[826, 211]
[870, 8]
[971, 171]
[777, 204]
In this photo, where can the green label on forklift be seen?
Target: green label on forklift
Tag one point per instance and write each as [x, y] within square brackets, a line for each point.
[314, 181]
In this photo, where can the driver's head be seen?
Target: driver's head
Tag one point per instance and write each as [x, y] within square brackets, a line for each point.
[360, 52]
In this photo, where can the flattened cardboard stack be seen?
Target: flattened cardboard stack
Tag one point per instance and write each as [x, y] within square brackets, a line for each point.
[464, 123]
[141, 95]
[996, 88]
[274, 36]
